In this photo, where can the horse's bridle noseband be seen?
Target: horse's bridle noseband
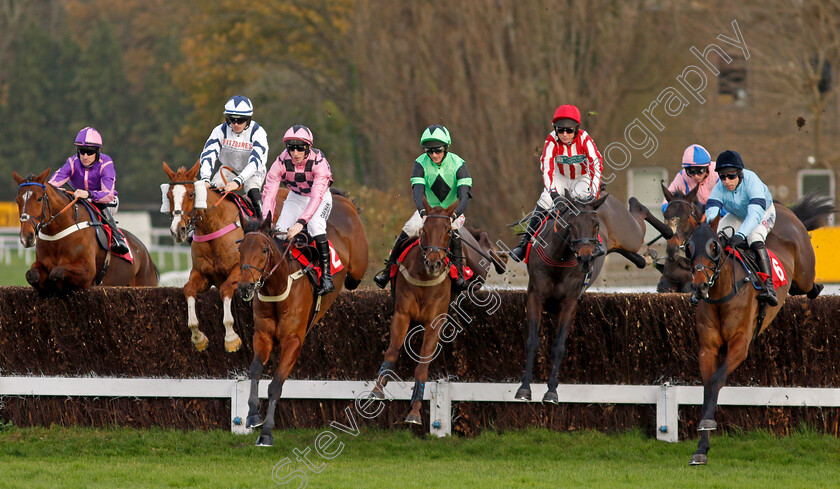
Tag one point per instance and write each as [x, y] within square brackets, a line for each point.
[24, 217]
[434, 249]
[263, 277]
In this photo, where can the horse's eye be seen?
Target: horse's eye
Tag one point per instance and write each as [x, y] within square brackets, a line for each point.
[40, 198]
[192, 194]
[265, 251]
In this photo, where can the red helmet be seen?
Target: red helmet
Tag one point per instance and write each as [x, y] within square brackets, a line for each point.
[566, 112]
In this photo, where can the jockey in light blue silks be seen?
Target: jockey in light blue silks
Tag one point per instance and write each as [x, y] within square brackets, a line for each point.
[751, 213]
[240, 144]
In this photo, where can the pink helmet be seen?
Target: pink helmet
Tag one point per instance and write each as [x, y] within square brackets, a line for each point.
[88, 137]
[298, 133]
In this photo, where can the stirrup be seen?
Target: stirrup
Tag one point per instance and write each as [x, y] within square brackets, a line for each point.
[383, 276]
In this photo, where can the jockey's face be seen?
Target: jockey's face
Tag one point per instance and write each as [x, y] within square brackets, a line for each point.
[698, 173]
[728, 181]
[565, 134]
[87, 156]
[436, 154]
[297, 155]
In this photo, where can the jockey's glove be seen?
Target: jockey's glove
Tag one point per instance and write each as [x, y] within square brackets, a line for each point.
[738, 241]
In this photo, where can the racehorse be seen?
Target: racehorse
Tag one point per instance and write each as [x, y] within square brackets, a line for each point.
[422, 291]
[215, 259]
[561, 266]
[285, 307]
[67, 255]
[623, 229]
[728, 316]
[676, 270]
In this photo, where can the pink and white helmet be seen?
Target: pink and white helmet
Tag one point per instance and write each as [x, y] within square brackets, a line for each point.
[88, 137]
[298, 133]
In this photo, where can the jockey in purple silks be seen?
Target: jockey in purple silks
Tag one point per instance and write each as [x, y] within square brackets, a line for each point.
[306, 173]
[92, 175]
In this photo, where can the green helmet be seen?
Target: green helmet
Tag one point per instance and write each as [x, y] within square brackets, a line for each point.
[435, 135]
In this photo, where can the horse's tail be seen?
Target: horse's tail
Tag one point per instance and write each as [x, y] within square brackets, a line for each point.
[346, 195]
[813, 210]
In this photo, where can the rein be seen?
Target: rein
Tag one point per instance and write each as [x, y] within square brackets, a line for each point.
[263, 277]
[192, 219]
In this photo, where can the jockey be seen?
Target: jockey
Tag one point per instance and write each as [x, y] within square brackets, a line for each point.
[240, 144]
[750, 213]
[92, 174]
[306, 173]
[697, 170]
[570, 161]
[442, 177]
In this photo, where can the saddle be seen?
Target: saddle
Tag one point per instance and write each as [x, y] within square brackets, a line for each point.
[303, 251]
[411, 243]
[244, 205]
[103, 230]
[748, 260]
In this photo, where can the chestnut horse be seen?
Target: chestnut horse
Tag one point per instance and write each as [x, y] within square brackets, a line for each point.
[676, 270]
[67, 255]
[215, 259]
[728, 316]
[561, 266]
[285, 307]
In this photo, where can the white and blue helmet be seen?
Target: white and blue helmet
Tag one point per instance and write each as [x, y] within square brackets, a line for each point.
[239, 105]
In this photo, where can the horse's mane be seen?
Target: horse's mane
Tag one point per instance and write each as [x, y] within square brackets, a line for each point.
[813, 210]
[346, 195]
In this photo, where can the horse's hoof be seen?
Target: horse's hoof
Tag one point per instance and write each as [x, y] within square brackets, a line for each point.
[32, 277]
[377, 394]
[265, 441]
[254, 421]
[550, 398]
[523, 395]
[201, 342]
[231, 346]
[413, 419]
[697, 459]
[707, 425]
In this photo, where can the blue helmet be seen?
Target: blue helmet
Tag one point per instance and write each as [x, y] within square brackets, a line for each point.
[729, 160]
[239, 105]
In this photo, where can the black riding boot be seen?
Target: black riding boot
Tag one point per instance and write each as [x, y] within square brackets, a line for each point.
[381, 278]
[256, 201]
[767, 295]
[326, 276]
[537, 216]
[118, 245]
[457, 255]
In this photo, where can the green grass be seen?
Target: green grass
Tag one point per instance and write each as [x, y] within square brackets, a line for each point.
[90, 458]
[13, 273]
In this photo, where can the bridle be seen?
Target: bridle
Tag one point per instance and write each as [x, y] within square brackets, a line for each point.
[711, 274]
[39, 223]
[434, 249]
[263, 276]
[190, 217]
[693, 212]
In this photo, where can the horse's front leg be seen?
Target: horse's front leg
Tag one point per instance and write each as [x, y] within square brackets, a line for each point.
[289, 352]
[421, 372]
[37, 276]
[197, 283]
[399, 328]
[568, 307]
[232, 340]
[534, 309]
[68, 276]
[263, 344]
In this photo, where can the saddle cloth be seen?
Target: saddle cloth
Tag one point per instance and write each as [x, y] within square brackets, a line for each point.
[453, 271]
[335, 262]
[779, 273]
[104, 239]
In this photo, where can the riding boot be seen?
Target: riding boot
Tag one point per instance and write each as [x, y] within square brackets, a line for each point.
[256, 202]
[381, 278]
[767, 295]
[326, 276]
[457, 256]
[118, 245]
[521, 249]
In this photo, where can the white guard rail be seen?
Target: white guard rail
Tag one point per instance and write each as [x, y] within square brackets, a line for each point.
[441, 394]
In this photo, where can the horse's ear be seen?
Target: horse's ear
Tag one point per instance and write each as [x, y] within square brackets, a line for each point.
[168, 171]
[568, 195]
[43, 176]
[194, 170]
[715, 221]
[668, 195]
[266, 224]
[19, 179]
[597, 203]
[693, 194]
[426, 205]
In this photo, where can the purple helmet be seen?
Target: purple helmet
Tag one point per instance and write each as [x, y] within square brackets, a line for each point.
[88, 137]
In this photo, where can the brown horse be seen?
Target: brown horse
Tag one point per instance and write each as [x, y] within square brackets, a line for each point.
[67, 255]
[286, 307]
[623, 229]
[728, 316]
[422, 291]
[215, 259]
[676, 270]
[561, 266]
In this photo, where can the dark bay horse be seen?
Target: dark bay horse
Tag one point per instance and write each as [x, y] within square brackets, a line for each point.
[561, 266]
[729, 317]
[67, 255]
[422, 292]
[623, 229]
[683, 213]
[285, 307]
[215, 259]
